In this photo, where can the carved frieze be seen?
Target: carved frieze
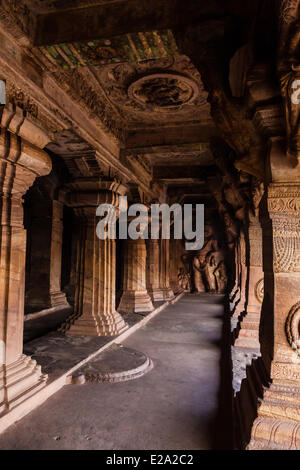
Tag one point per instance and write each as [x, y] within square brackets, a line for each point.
[43, 112]
[284, 198]
[18, 97]
[286, 245]
[284, 205]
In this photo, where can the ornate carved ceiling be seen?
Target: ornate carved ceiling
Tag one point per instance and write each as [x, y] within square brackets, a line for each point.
[119, 63]
[162, 91]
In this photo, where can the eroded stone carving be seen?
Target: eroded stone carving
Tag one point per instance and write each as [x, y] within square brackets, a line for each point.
[209, 272]
[259, 290]
[293, 328]
[167, 91]
[184, 279]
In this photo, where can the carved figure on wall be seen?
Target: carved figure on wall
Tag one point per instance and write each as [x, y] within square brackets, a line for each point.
[184, 279]
[219, 272]
[289, 72]
[257, 191]
[290, 85]
[232, 230]
[204, 280]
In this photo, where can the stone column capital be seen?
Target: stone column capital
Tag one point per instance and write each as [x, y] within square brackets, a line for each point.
[14, 120]
[86, 194]
[29, 161]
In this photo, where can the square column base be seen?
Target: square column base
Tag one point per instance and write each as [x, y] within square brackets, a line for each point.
[248, 335]
[111, 324]
[19, 381]
[161, 294]
[136, 302]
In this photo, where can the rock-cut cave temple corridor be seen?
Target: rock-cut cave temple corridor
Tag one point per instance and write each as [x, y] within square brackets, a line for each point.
[142, 342]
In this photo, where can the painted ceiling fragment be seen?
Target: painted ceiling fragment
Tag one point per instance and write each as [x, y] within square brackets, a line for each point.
[135, 47]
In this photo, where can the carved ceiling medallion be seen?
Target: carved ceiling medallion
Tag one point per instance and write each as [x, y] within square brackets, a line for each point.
[163, 91]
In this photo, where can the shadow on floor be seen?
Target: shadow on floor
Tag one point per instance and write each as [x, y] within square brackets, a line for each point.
[37, 327]
[223, 425]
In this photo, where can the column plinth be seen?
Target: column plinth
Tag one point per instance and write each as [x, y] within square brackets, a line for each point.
[135, 297]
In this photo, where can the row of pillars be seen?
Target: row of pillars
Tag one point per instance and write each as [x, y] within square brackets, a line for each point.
[93, 274]
[265, 307]
[145, 275]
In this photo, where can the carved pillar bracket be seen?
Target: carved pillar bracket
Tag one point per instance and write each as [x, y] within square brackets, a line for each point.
[20, 163]
[94, 308]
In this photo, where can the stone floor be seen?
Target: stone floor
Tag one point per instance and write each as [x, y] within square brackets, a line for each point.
[184, 402]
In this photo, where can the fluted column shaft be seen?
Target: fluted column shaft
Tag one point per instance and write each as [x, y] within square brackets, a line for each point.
[135, 297]
[20, 164]
[46, 230]
[165, 269]
[158, 266]
[94, 307]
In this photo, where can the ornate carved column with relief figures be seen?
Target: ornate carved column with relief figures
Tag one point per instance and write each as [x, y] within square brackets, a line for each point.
[94, 309]
[278, 423]
[20, 163]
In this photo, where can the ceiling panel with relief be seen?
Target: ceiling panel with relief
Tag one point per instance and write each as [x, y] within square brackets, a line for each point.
[163, 91]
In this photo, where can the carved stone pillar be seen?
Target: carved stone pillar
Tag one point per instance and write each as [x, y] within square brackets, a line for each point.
[94, 307]
[44, 289]
[158, 270]
[152, 276]
[20, 164]
[278, 421]
[248, 335]
[135, 297]
[165, 269]
[242, 273]
[234, 295]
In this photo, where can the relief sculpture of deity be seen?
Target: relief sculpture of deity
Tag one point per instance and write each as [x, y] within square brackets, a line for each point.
[209, 273]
